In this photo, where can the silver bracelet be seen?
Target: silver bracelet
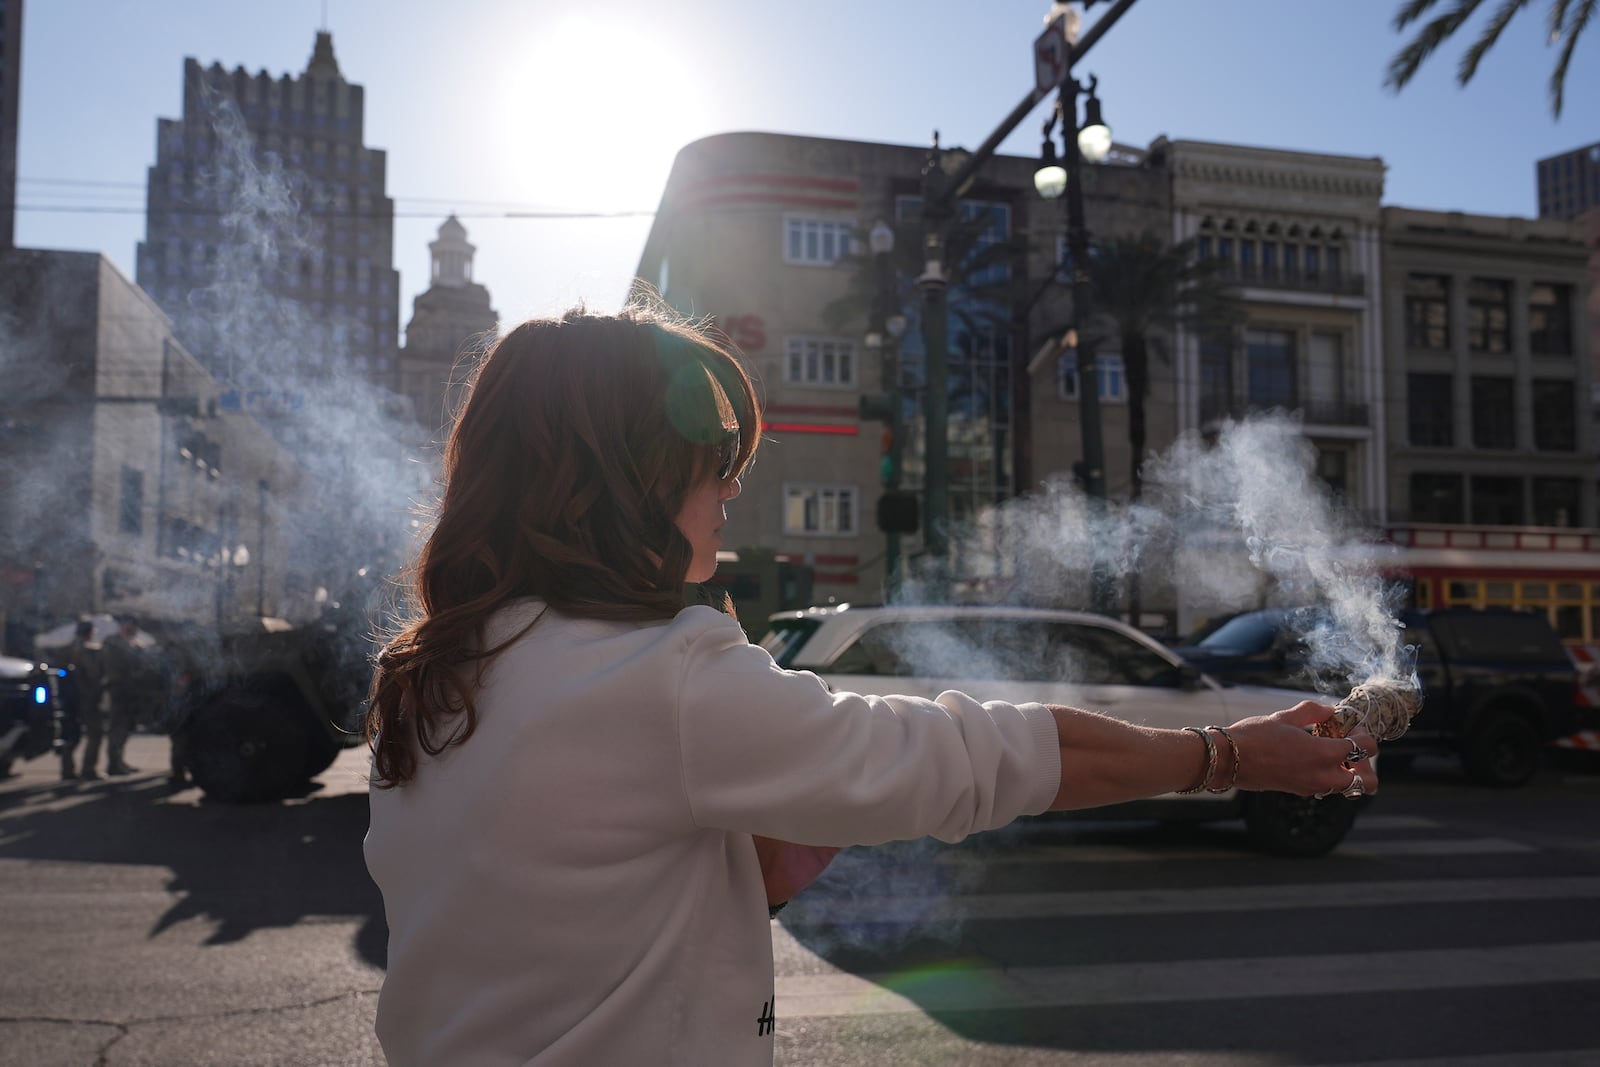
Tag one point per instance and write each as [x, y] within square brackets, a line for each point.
[1233, 779]
[1211, 760]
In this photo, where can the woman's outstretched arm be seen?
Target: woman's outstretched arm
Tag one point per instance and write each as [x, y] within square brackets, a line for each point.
[1108, 761]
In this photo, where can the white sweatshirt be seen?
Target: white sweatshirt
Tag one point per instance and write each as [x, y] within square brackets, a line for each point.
[575, 885]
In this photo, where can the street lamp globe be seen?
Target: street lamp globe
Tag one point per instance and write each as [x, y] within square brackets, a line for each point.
[1094, 139]
[1050, 180]
[880, 239]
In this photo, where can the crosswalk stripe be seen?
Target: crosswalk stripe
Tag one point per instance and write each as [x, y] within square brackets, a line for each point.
[1032, 855]
[1573, 1057]
[820, 910]
[1461, 846]
[983, 988]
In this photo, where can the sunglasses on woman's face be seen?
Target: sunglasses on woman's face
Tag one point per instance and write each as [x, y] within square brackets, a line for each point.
[727, 454]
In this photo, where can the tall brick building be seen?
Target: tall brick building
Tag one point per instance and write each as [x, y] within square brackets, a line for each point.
[269, 237]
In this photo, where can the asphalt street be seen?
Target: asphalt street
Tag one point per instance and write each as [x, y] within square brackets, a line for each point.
[1456, 926]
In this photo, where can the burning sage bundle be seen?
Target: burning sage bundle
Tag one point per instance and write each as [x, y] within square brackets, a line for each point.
[1385, 708]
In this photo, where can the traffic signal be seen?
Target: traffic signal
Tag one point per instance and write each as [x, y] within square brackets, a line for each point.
[877, 406]
[897, 511]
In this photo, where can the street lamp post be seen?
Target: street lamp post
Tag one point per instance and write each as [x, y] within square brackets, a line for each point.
[883, 338]
[1092, 140]
[1078, 255]
[1092, 143]
[938, 208]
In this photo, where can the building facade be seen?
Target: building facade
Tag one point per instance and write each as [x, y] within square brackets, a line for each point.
[767, 235]
[452, 319]
[1299, 232]
[1490, 369]
[269, 237]
[1569, 183]
[10, 93]
[128, 487]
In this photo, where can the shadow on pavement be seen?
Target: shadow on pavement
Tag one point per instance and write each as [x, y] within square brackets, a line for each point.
[243, 867]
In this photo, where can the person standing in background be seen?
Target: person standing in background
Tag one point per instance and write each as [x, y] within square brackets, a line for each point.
[125, 676]
[82, 693]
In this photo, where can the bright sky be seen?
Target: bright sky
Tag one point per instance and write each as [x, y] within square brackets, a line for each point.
[486, 106]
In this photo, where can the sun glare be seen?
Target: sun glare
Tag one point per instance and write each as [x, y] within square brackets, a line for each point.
[592, 114]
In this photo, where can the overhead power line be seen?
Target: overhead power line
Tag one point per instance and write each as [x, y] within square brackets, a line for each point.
[515, 208]
[104, 209]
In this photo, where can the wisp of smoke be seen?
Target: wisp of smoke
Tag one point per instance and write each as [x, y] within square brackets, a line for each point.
[1255, 488]
[1227, 524]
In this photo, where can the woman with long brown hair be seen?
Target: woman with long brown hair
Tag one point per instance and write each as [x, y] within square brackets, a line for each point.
[587, 792]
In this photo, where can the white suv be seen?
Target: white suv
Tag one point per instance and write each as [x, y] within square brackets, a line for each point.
[1056, 657]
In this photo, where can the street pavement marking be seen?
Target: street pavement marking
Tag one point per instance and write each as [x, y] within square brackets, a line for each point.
[1079, 847]
[984, 988]
[1365, 823]
[1573, 1057]
[834, 912]
[1460, 846]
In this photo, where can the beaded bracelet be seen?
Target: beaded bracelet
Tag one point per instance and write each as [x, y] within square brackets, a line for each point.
[1233, 748]
[1211, 760]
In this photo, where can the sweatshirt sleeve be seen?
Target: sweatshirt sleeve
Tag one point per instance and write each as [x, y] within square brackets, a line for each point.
[773, 752]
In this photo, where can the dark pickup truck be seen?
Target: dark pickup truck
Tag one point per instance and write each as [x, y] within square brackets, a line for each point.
[1498, 685]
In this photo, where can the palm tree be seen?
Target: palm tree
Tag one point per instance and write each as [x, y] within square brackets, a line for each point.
[980, 297]
[1141, 291]
[1567, 19]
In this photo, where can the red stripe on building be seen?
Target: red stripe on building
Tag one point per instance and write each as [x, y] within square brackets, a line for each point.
[807, 427]
[836, 560]
[843, 185]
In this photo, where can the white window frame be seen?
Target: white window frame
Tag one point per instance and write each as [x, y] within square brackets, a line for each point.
[805, 357]
[817, 236]
[827, 496]
[1111, 373]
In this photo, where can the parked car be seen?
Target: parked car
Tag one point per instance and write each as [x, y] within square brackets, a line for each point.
[1498, 685]
[29, 710]
[1265, 647]
[1059, 657]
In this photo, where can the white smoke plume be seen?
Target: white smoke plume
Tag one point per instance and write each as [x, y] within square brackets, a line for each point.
[1233, 523]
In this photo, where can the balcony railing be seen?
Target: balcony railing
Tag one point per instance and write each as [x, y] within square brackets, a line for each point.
[1314, 410]
[1340, 282]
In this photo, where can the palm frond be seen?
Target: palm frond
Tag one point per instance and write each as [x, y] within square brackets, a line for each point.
[1557, 20]
[1573, 29]
[1491, 34]
[1411, 11]
[1430, 37]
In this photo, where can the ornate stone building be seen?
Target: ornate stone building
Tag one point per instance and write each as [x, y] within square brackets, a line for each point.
[1299, 231]
[453, 319]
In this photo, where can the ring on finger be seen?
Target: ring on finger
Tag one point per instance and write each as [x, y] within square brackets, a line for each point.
[1356, 788]
[1357, 753]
